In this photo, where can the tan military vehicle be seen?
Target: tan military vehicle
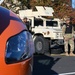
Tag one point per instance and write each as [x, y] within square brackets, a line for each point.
[46, 32]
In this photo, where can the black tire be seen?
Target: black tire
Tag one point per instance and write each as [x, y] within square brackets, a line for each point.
[41, 45]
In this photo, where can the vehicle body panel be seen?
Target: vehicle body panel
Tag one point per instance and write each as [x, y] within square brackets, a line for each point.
[11, 25]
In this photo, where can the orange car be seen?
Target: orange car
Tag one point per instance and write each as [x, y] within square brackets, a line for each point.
[16, 45]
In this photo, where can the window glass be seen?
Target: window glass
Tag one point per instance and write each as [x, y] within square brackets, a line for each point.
[52, 23]
[38, 22]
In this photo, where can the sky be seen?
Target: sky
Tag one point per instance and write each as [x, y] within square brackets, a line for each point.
[73, 3]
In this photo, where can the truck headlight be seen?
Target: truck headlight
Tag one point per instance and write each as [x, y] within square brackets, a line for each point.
[19, 47]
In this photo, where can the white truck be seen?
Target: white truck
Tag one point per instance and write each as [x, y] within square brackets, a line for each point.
[46, 32]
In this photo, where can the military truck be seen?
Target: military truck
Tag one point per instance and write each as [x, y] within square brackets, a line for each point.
[46, 31]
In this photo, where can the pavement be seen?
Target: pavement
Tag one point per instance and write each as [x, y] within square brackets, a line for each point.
[56, 64]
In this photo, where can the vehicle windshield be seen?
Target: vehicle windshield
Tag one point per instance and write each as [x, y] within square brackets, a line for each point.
[52, 23]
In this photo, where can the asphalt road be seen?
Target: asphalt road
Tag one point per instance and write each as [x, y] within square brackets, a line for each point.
[53, 65]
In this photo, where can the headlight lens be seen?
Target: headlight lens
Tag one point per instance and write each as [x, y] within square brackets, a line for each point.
[19, 47]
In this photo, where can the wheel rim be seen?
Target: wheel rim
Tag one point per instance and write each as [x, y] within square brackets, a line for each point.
[39, 46]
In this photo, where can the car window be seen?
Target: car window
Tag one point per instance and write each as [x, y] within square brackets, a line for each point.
[52, 23]
[38, 22]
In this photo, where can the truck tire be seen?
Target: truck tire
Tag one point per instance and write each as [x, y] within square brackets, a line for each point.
[41, 45]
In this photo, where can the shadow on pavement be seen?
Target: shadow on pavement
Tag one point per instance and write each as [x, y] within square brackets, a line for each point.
[42, 65]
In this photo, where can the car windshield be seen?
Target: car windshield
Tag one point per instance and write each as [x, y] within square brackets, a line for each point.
[52, 23]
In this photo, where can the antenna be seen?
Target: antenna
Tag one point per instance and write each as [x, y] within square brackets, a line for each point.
[1, 1]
